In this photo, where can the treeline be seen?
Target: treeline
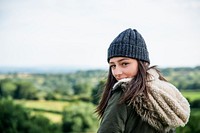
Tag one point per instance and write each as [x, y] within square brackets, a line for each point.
[80, 84]
[72, 86]
[185, 78]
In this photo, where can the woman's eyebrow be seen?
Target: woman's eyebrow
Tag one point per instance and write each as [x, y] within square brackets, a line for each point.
[111, 63]
[120, 60]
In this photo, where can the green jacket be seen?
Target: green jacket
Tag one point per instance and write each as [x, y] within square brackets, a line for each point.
[165, 110]
[121, 118]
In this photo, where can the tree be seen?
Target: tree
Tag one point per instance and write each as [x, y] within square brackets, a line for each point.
[79, 118]
[25, 90]
[16, 119]
[82, 88]
[7, 88]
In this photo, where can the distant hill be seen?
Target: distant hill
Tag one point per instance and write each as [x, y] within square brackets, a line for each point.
[41, 70]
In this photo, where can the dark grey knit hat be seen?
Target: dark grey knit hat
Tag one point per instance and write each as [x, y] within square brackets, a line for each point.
[129, 43]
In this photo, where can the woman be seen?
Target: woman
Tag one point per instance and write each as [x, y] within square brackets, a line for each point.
[137, 98]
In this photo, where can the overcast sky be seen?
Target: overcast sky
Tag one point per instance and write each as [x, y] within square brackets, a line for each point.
[78, 32]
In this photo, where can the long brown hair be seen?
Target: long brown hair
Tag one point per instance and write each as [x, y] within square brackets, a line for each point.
[137, 85]
[106, 94]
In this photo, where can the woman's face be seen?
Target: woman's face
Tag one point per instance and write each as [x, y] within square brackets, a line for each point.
[123, 67]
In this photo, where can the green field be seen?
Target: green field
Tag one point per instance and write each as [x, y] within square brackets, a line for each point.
[45, 108]
[53, 109]
[50, 109]
[191, 95]
[44, 105]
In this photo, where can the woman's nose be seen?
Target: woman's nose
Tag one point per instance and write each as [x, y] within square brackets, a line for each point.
[118, 71]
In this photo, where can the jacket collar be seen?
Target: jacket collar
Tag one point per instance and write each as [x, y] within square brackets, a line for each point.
[125, 81]
[121, 83]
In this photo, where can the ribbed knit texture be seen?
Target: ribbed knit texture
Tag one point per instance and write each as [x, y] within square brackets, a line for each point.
[129, 43]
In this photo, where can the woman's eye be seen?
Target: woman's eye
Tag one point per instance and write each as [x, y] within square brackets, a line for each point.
[125, 64]
[112, 66]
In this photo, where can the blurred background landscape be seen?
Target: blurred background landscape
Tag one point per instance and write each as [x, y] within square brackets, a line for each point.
[53, 58]
[65, 102]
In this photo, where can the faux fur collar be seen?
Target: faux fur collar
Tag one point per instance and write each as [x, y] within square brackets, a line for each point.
[122, 83]
[165, 109]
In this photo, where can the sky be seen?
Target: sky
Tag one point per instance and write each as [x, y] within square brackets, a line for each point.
[77, 33]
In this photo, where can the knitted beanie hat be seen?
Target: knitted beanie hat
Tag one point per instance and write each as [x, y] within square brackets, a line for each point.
[129, 43]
